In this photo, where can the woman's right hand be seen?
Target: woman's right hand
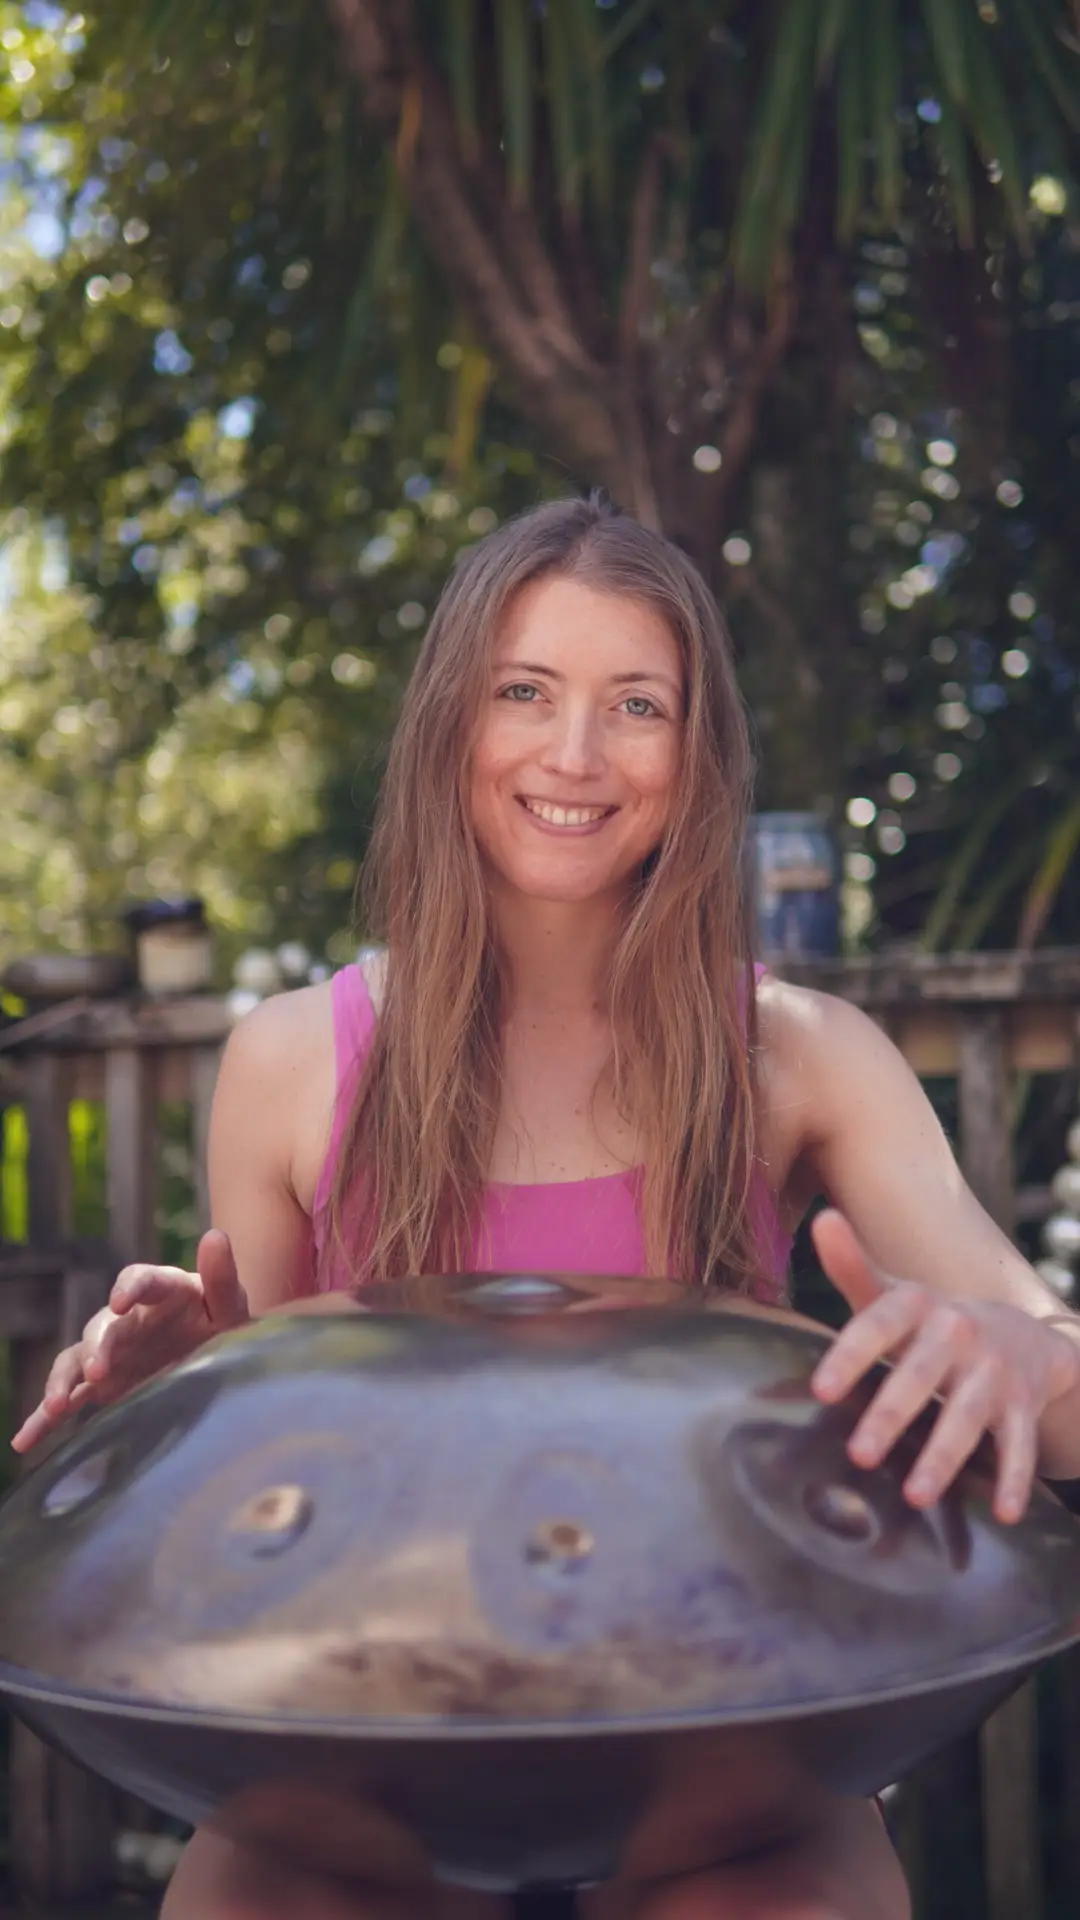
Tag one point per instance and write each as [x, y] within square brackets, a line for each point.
[156, 1316]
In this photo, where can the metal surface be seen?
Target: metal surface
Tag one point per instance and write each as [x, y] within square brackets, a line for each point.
[491, 1579]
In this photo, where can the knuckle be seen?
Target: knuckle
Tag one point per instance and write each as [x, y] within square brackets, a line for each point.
[949, 1322]
[911, 1293]
[995, 1374]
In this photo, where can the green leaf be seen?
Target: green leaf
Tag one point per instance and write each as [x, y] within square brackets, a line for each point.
[625, 28]
[774, 183]
[970, 929]
[944, 22]
[964, 861]
[885, 100]
[516, 74]
[1053, 60]
[1062, 844]
[952, 145]
[835, 18]
[993, 121]
[587, 56]
[562, 108]
[850, 133]
[461, 45]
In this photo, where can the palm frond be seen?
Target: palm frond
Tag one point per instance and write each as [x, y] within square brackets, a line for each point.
[944, 23]
[516, 71]
[460, 41]
[834, 21]
[562, 108]
[993, 121]
[589, 55]
[1050, 59]
[954, 153]
[967, 855]
[771, 183]
[1061, 846]
[850, 135]
[885, 68]
[968, 930]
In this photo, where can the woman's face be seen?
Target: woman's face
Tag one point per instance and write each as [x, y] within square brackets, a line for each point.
[577, 756]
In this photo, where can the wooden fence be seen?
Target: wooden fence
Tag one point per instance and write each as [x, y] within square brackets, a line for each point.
[982, 1019]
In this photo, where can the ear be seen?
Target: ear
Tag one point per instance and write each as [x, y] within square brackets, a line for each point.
[851, 1271]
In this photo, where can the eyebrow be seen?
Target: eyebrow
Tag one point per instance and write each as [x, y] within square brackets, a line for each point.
[617, 679]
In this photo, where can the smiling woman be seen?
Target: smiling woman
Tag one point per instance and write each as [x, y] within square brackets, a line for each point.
[567, 1064]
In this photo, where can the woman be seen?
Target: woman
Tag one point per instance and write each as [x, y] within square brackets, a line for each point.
[565, 1065]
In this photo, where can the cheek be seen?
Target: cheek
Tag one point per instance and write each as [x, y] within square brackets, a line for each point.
[655, 770]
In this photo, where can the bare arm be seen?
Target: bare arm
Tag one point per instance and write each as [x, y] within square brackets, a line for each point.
[275, 1088]
[857, 1122]
[269, 1123]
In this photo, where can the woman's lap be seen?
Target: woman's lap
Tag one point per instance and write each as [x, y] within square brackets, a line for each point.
[844, 1868]
[218, 1880]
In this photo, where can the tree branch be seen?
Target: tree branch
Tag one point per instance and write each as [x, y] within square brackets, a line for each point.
[497, 267]
[763, 359]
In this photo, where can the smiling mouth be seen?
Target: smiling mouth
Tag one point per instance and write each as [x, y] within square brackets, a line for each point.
[553, 816]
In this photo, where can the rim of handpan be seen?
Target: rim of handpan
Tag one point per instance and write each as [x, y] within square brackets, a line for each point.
[21, 1683]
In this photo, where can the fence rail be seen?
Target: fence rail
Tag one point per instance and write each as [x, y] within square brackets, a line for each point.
[983, 1019]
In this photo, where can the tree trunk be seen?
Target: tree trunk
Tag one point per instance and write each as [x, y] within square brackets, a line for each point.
[664, 416]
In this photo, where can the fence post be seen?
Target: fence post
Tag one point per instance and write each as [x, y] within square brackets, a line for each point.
[61, 1817]
[1008, 1742]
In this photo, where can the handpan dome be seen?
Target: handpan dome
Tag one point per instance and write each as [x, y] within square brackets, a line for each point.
[486, 1513]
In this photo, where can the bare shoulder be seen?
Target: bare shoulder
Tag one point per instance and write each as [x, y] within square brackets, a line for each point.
[277, 1037]
[796, 1021]
[275, 1091]
[821, 1054]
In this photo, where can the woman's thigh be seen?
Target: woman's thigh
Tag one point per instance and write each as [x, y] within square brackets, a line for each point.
[844, 1868]
[217, 1879]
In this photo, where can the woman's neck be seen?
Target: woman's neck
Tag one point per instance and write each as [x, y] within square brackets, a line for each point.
[558, 953]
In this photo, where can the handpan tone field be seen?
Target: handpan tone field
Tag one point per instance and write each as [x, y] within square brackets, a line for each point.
[515, 1579]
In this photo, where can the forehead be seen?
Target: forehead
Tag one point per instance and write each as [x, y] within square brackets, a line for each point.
[567, 625]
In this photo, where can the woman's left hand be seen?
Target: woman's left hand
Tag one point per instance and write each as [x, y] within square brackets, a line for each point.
[994, 1367]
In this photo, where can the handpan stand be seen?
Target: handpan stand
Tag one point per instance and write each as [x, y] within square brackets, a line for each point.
[490, 1585]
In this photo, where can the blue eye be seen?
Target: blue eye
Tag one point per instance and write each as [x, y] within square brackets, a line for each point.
[520, 692]
[639, 706]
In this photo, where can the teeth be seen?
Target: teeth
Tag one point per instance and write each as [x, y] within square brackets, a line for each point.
[565, 816]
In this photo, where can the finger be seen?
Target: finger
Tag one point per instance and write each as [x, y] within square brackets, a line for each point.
[1017, 1436]
[932, 1356]
[98, 1342]
[118, 1337]
[869, 1337]
[226, 1301]
[845, 1261]
[34, 1428]
[64, 1373]
[967, 1415]
[144, 1284]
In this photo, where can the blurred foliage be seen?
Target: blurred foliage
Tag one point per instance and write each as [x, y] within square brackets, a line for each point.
[217, 559]
[814, 268]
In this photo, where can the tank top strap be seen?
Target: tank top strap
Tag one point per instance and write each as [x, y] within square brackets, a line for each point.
[354, 1029]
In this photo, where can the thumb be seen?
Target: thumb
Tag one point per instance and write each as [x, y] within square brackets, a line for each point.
[851, 1270]
[216, 1264]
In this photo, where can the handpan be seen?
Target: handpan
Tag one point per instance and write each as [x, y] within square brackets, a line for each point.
[491, 1581]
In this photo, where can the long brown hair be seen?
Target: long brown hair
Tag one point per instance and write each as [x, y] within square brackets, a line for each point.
[408, 1185]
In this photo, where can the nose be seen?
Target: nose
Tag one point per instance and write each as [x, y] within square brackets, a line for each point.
[573, 744]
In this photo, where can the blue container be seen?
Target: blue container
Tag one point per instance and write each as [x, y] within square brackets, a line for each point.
[796, 881]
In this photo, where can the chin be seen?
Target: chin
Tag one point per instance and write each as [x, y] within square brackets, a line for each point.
[560, 888]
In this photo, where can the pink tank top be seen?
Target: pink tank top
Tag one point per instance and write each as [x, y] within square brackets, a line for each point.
[562, 1226]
